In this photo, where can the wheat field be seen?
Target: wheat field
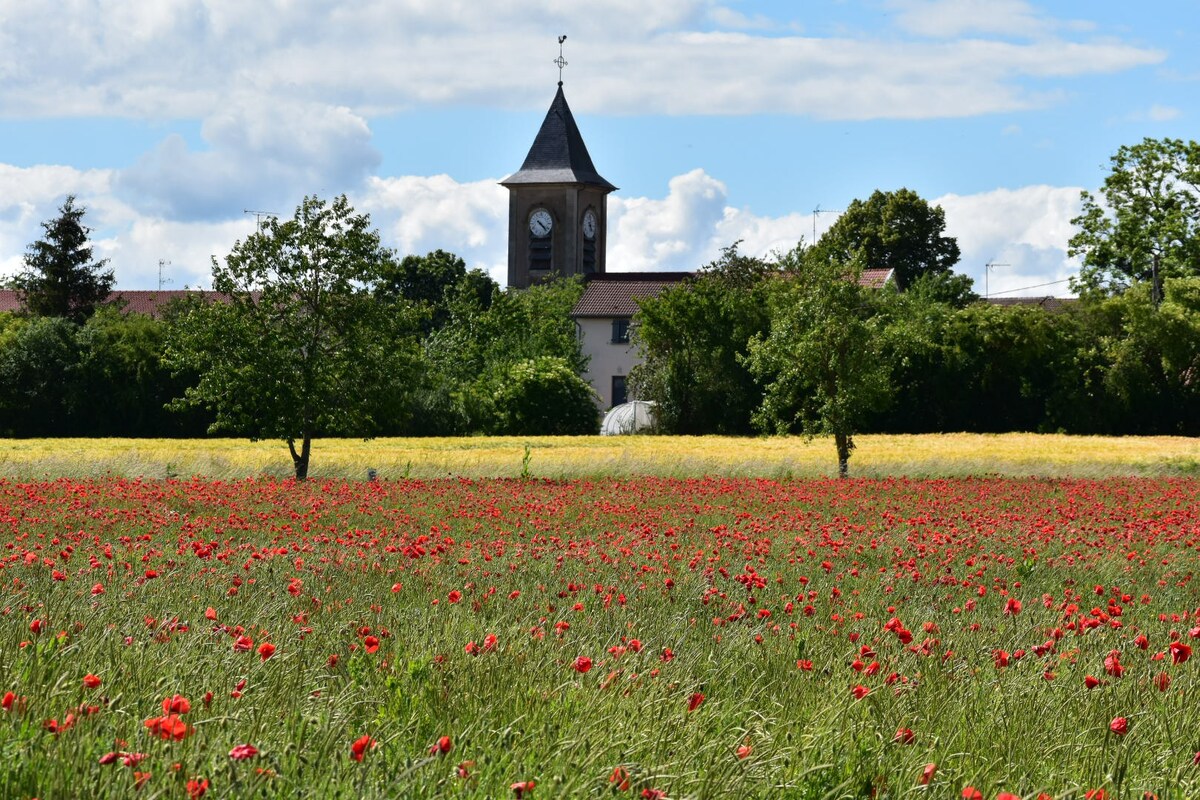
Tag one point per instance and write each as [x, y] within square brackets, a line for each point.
[949, 455]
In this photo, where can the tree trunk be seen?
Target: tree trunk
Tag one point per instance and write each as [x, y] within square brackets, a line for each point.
[300, 460]
[844, 445]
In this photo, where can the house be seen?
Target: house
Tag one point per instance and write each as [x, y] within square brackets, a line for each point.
[131, 301]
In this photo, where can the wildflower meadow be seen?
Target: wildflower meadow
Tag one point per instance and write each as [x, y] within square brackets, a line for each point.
[644, 638]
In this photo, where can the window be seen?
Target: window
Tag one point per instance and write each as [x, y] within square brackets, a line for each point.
[618, 389]
[620, 330]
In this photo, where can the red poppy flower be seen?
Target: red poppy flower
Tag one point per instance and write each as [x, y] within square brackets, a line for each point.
[98, 589]
[582, 664]
[904, 736]
[1162, 681]
[927, 774]
[442, 746]
[1119, 726]
[860, 692]
[360, 746]
[178, 704]
[744, 751]
[91, 681]
[371, 644]
[971, 793]
[1112, 664]
[694, 701]
[243, 644]
[521, 788]
[620, 776]
[804, 665]
[653, 794]
[170, 726]
[1008, 796]
[1091, 682]
[489, 642]
[266, 650]
[1012, 606]
[1180, 652]
[243, 751]
[196, 788]
[454, 596]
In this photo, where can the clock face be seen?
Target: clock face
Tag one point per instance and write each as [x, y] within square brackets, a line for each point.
[589, 224]
[541, 222]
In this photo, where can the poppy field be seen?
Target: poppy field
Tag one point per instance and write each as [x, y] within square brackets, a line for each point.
[989, 638]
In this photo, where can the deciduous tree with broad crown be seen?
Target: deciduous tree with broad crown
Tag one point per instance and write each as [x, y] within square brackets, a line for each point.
[302, 347]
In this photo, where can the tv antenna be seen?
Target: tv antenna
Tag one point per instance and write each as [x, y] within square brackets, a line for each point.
[161, 280]
[987, 271]
[560, 61]
[259, 216]
[819, 210]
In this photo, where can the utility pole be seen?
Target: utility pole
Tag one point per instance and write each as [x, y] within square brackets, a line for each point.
[162, 263]
[987, 271]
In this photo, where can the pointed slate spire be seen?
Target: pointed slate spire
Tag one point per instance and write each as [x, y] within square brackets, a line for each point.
[558, 154]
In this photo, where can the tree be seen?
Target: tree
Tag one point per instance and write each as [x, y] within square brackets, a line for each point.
[60, 279]
[39, 357]
[820, 365]
[1146, 225]
[488, 332]
[302, 348]
[693, 339]
[891, 230]
[426, 281]
[545, 397]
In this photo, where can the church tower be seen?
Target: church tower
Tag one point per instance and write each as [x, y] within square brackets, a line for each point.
[557, 204]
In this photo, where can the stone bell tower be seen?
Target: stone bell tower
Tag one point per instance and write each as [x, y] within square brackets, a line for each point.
[557, 203]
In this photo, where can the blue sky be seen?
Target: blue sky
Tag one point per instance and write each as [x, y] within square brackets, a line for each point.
[719, 119]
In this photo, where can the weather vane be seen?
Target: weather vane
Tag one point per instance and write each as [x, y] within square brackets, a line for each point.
[560, 61]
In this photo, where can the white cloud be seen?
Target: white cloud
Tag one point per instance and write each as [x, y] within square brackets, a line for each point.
[950, 18]
[419, 214]
[1026, 229]
[260, 157]
[184, 59]
[1160, 113]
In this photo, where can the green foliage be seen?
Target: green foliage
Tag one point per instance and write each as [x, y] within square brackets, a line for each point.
[891, 230]
[433, 282]
[821, 364]
[487, 333]
[302, 348]
[1154, 358]
[60, 279]
[544, 397]
[38, 361]
[694, 338]
[1147, 218]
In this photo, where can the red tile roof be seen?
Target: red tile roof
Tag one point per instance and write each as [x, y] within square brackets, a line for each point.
[615, 294]
[136, 301]
[875, 278]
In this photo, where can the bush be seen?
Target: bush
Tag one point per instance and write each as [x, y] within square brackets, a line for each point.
[544, 397]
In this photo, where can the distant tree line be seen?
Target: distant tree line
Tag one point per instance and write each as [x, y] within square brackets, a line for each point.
[323, 331]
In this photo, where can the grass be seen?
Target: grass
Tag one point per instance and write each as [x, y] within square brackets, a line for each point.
[559, 570]
[593, 456]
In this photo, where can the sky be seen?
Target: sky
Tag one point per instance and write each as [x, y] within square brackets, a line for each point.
[757, 121]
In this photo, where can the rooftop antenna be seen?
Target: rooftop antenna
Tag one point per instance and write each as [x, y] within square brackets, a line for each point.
[560, 61]
[259, 216]
[162, 263]
[819, 210]
[987, 271]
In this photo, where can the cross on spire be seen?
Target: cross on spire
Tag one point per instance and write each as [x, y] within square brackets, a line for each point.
[560, 61]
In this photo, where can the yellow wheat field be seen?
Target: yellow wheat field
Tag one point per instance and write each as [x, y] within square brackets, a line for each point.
[594, 456]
